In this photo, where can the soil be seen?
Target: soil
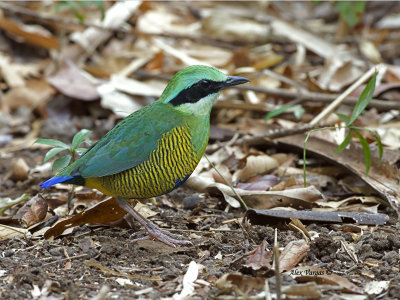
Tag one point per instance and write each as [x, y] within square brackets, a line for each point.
[69, 267]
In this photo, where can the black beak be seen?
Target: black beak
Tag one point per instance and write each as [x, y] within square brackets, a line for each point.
[234, 80]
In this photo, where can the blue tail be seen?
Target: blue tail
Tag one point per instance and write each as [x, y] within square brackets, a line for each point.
[54, 180]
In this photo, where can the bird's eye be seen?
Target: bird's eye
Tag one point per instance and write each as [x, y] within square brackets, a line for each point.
[205, 84]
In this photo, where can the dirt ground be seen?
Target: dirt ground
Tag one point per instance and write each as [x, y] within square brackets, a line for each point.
[64, 267]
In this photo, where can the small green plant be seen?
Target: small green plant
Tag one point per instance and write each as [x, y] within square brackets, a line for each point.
[351, 11]
[71, 150]
[77, 7]
[354, 131]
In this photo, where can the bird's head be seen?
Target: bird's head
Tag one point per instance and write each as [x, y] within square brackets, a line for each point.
[193, 90]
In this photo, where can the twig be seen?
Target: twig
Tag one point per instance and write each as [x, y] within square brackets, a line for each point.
[276, 263]
[331, 107]
[64, 259]
[318, 97]
[228, 184]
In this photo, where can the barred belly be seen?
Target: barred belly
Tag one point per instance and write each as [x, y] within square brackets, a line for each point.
[167, 167]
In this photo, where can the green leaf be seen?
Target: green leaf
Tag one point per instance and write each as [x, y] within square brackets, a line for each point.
[277, 112]
[343, 117]
[364, 99]
[80, 137]
[52, 142]
[61, 163]
[80, 151]
[345, 142]
[367, 151]
[52, 152]
[351, 11]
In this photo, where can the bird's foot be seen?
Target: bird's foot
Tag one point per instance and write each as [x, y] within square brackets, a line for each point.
[153, 231]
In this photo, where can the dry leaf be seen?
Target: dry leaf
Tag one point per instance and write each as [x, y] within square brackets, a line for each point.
[8, 232]
[322, 276]
[292, 254]
[74, 82]
[34, 34]
[105, 212]
[31, 95]
[255, 165]
[261, 258]
[223, 25]
[35, 213]
[15, 73]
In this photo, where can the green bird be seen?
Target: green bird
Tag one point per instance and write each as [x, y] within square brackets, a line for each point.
[155, 149]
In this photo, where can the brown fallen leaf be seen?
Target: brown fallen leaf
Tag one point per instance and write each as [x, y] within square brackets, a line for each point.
[298, 197]
[382, 177]
[30, 33]
[261, 258]
[105, 212]
[36, 212]
[292, 254]
[323, 276]
[71, 81]
[8, 232]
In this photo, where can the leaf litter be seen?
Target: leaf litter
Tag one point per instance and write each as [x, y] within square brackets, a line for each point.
[118, 64]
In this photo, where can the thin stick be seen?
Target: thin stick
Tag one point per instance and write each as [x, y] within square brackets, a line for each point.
[228, 184]
[331, 107]
[276, 262]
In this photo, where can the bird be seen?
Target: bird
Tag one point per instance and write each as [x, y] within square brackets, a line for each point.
[155, 149]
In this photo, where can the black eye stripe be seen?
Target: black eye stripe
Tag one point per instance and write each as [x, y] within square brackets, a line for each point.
[197, 91]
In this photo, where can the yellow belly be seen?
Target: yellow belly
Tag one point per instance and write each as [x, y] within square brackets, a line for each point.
[168, 165]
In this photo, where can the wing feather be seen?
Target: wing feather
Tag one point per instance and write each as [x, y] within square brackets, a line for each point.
[128, 144]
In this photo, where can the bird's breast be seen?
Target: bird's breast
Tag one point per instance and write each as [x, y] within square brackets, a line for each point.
[166, 168]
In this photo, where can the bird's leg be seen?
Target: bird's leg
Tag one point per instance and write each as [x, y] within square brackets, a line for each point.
[152, 229]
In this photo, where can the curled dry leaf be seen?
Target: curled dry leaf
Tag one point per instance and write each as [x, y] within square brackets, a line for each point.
[261, 199]
[105, 212]
[36, 212]
[255, 165]
[292, 254]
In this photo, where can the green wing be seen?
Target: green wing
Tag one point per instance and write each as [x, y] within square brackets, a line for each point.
[128, 144]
